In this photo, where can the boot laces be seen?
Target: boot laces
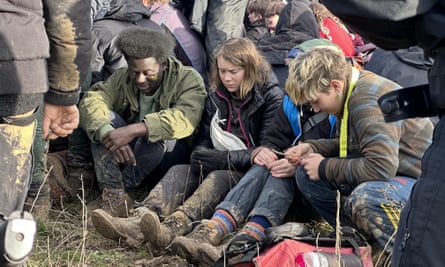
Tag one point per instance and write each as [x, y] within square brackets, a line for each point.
[174, 223]
[204, 233]
[139, 211]
[115, 200]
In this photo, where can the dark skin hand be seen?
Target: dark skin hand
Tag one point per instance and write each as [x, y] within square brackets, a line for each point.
[117, 142]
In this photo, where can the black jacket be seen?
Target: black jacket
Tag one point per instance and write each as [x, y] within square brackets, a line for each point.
[121, 16]
[282, 136]
[256, 116]
[257, 30]
[407, 67]
[296, 24]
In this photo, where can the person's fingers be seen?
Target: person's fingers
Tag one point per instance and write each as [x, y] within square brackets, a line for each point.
[117, 155]
[132, 158]
[125, 155]
[129, 157]
[70, 125]
[45, 129]
[50, 136]
[110, 145]
[58, 131]
[107, 144]
[71, 121]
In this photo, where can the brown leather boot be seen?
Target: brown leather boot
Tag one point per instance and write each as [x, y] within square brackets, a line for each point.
[61, 191]
[160, 234]
[120, 229]
[209, 254]
[38, 201]
[187, 246]
[116, 202]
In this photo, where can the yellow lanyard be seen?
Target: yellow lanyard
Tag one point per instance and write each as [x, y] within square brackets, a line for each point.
[344, 120]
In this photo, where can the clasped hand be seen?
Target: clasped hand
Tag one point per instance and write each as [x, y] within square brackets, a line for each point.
[59, 121]
[279, 168]
[302, 154]
[117, 142]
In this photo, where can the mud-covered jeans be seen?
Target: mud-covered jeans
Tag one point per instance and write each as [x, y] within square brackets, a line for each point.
[372, 207]
[39, 151]
[15, 154]
[152, 161]
[259, 194]
[180, 189]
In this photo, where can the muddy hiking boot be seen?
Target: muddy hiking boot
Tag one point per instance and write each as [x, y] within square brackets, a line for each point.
[187, 246]
[38, 201]
[115, 202]
[80, 174]
[160, 234]
[241, 248]
[120, 229]
[61, 191]
[209, 254]
[68, 177]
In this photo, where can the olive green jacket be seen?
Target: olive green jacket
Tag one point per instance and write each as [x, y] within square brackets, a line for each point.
[180, 104]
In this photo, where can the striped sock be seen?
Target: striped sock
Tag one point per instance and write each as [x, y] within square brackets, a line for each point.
[255, 227]
[224, 221]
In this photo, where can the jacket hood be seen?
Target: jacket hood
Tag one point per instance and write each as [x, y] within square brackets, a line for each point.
[296, 24]
[127, 10]
[415, 57]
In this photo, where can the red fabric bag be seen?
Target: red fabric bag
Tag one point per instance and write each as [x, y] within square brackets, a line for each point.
[293, 245]
[289, 253]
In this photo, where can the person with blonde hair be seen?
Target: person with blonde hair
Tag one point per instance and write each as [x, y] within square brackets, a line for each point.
[265, 193]
[238, 111]
[372, 164]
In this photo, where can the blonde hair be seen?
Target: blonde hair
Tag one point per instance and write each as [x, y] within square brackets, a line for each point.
[243, 53]
[311, 73]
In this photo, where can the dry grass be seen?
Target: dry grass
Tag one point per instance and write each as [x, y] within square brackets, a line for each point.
[66, 239]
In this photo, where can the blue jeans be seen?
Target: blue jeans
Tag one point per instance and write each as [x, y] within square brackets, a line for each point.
[259, 194]
[152, 160]
[373, 207]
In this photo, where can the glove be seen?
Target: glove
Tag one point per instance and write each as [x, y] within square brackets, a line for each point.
[204, 161]
[240, 160]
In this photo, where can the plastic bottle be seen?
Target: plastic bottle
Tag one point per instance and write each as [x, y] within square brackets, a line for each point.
[326, 259]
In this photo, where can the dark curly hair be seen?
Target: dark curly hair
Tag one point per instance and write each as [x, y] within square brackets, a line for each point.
[141, 43]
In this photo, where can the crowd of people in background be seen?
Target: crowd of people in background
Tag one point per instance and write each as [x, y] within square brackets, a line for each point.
[199, 119]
